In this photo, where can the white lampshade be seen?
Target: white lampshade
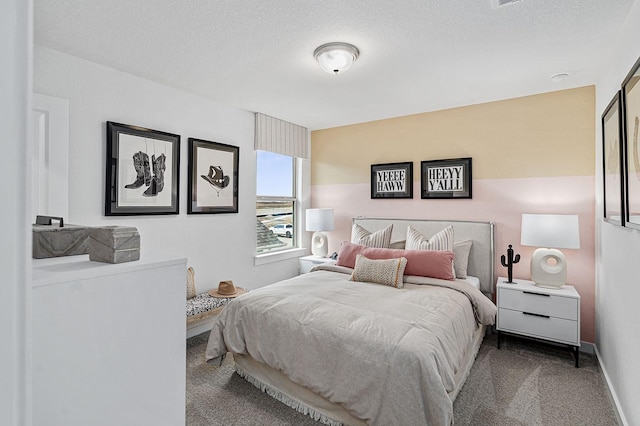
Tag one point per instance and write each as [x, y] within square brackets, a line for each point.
[336, 58]
[550, 232]
[319, 220]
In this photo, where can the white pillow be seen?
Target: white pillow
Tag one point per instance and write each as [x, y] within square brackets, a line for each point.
[378, 239]
[397, 245]
[388, 272]
[461, 250]
[442, 241]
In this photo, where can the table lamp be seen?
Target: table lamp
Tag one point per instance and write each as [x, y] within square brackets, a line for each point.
[550, 232]
[319, 220]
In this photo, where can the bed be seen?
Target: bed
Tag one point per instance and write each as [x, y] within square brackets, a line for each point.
[356, 353]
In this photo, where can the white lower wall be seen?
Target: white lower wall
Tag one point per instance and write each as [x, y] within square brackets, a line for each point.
[218, 246]
[618, 249]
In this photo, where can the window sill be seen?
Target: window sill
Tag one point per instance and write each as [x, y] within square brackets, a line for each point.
[262, 259]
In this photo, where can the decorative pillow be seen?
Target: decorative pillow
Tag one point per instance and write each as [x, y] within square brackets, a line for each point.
[388, 272]
[461, 249]
[191, 283]
[423, 263]
[347, 254]
[380, 238]
[398, 245]
[443, 240]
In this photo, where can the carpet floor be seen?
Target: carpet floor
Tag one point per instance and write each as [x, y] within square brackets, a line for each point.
[525, 383]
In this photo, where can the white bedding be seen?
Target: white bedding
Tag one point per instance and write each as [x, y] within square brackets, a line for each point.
[387, 355]
[474, 281]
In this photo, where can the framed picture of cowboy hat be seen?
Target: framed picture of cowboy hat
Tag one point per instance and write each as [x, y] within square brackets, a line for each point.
[213, 177]
[142, 171]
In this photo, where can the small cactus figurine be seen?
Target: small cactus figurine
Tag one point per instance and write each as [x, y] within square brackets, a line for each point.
[508, 263]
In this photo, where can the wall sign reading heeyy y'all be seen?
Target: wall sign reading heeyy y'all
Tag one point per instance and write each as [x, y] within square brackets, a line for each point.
[450, 178]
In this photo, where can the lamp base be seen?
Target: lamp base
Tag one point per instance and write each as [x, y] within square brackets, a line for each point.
[548, 268]
[319, 244]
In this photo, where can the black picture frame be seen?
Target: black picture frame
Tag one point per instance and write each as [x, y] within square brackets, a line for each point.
[213, 177]
[142, 171]
[392, 180]
[613, 162]
[631, 115]
[445, 179]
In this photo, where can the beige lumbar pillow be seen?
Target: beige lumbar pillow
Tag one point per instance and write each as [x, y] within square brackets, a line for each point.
[388, 272]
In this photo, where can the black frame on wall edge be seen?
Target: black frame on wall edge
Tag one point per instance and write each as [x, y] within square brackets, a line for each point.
[631, 95]
[613, 162]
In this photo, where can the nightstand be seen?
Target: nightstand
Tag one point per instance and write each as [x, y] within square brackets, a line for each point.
[308, 262]
[542, 313]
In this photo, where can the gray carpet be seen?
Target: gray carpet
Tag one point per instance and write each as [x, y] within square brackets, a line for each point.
[524, 383]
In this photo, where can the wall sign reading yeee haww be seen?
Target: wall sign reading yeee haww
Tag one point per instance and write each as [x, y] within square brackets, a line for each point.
[449, 178]
[392, 180]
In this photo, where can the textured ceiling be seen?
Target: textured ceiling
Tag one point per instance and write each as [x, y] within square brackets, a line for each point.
[415, 55]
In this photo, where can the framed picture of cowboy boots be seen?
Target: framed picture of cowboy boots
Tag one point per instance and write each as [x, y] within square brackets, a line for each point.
[213, 177]
[142, 171]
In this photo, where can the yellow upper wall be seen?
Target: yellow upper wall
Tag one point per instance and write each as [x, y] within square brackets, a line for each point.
[542, 135]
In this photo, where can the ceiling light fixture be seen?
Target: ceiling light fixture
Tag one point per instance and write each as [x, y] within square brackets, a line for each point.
[500, 3]
[557, 78]
[336, 58]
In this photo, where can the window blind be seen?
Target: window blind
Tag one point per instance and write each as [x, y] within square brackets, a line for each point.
[281, 137]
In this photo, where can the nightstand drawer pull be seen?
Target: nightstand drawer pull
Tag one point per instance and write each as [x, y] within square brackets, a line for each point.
[537, 294]
[536, 315]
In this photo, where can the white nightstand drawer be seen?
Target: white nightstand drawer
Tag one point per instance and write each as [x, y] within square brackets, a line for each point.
[551, 328]
[539, 303]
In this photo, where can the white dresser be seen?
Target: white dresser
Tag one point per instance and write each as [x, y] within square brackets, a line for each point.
[108, 342]
[542, 313]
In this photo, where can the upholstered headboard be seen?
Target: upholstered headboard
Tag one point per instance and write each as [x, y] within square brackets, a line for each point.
[481, 258]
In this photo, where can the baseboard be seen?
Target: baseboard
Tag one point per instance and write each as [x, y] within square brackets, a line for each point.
[622, 420]
[587, 348]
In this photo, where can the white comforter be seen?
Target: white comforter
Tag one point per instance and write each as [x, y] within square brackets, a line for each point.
[387, 355]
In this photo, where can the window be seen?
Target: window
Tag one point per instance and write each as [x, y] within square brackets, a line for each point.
[275, 202]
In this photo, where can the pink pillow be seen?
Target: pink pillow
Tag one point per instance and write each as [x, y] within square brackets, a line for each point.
[424, 263]
[348, 253]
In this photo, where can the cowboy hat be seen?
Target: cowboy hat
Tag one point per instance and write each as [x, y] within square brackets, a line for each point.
[227, 289]
[216, 177]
